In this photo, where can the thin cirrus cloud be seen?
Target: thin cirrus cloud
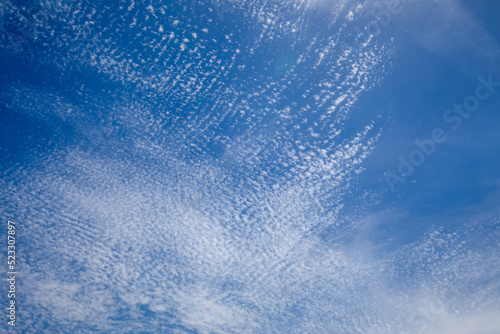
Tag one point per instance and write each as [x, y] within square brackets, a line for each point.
[148, 217]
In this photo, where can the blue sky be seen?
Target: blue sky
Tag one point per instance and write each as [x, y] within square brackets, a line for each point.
[219, 166]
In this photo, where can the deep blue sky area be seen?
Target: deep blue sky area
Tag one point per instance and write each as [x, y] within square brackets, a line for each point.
[414, 97]
[251, 166]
